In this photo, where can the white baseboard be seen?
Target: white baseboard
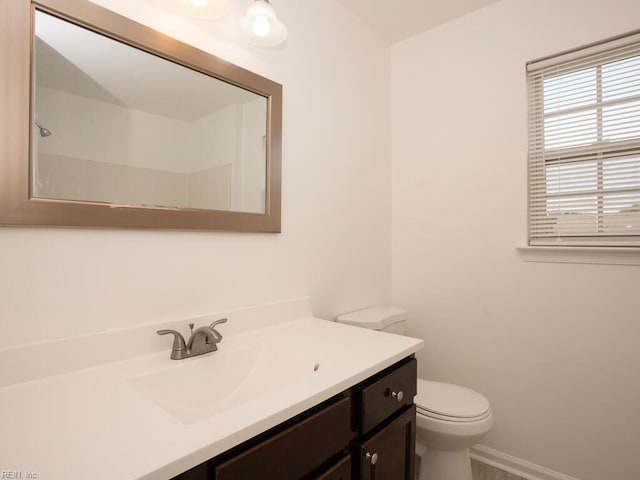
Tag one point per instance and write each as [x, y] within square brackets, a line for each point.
[515, 465]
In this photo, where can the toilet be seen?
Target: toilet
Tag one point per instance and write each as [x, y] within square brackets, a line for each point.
[450, 419]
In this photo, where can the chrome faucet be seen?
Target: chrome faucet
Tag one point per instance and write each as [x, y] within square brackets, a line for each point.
[202, 340]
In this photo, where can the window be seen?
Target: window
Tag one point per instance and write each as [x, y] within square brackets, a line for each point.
[584, 146]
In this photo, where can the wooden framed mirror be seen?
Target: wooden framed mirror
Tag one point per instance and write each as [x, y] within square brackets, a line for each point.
[108, 123]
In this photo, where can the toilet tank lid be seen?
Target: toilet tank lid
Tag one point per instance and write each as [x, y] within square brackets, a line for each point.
[375, 318]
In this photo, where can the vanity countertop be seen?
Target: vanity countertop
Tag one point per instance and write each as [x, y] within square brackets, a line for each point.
[98, 423]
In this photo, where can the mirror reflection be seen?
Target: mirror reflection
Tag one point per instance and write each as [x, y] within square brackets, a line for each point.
[117, 125]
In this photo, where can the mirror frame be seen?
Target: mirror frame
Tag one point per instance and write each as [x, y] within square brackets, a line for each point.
[17, 205]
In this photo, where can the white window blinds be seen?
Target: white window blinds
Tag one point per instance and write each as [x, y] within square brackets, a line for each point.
[584, 146]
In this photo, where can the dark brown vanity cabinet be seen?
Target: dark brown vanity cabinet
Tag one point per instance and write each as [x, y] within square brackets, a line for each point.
[294, 452]
[340, 471]
[365, 433]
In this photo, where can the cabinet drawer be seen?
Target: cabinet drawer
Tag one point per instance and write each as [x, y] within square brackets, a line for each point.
[295, 452]
[377, 399]
[340, 471]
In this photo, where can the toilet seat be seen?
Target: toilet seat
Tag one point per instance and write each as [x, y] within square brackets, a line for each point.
[447, 418]
[448, 402]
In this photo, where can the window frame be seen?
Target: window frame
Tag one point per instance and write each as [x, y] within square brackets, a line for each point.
[599, 151]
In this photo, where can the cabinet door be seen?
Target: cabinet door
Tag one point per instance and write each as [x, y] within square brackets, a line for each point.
[390, 454]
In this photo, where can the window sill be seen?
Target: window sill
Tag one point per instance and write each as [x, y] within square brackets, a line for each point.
[585, 255]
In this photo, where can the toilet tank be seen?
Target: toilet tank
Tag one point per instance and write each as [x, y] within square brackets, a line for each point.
[381, 317]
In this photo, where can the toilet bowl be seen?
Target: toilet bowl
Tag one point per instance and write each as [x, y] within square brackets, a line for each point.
[450, 419]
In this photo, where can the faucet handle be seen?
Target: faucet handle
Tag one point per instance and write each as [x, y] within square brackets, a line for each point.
[216, 323]
[178, 340]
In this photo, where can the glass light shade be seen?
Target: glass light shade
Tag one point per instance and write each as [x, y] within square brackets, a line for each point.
[261, 27]
[201, 9]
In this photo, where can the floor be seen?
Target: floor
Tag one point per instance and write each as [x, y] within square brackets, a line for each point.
[482, 471]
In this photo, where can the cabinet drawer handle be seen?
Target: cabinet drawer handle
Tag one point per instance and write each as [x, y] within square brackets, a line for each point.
[372, 457]
[398, 395]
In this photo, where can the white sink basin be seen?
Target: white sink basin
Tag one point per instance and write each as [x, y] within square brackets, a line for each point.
[197, 388]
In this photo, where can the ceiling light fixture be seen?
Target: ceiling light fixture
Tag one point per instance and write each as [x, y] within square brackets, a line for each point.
[260, 26]
[201, 9]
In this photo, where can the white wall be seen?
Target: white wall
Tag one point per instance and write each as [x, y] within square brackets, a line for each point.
[335, 244]
[86, 128]
[553, 346]
[101, 151]
[215, 137]
[253, 176]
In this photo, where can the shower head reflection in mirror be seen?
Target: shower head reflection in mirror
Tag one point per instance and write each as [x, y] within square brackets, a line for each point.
[44, 132]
